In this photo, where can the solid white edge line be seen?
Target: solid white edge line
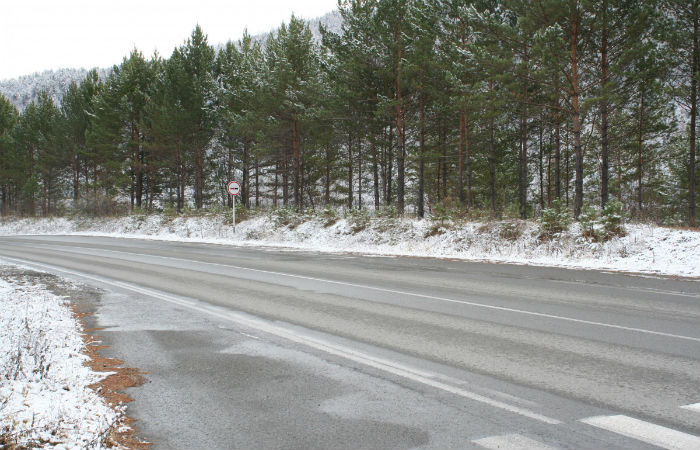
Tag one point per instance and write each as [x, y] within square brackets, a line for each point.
[511, 442]
[650, 433]
[694, 407]
[411, 294]
[333, 349]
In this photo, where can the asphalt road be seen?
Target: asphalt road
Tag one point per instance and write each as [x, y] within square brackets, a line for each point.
[265, 348]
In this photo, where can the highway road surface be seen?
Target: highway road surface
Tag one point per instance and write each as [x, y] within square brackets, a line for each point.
[272, 349]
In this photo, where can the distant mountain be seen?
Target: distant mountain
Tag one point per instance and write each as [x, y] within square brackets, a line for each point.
[25, 89]
[332, 21]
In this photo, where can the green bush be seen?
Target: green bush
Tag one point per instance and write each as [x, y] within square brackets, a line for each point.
[285, 217]
[441, 212]
[139, 213]
[358, 219]
[603, 226]
[511, 230]
[448, 211]
[554, 220]
[387, 212]
[328, 216]
[170, 211]
[612, 218]
[588, 220]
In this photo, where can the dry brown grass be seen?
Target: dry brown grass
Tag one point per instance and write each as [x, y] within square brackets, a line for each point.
[111, 388]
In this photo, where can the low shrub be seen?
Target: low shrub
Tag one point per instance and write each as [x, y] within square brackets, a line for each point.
[435, 229]
[328, 216]
[612, 219]
[387, 212]
[286, 217]
[554, 220]
[358, 219]
[511, 230]
[446, 211]
[384, 224]
[170, 211]
[588, 219]
[604, 226]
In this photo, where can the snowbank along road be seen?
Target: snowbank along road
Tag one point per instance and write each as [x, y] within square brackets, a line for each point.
[277, 349]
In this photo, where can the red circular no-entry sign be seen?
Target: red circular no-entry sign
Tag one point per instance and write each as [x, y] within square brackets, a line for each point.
[233, 188]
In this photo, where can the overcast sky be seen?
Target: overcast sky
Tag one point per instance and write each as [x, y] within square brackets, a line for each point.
[37, 35]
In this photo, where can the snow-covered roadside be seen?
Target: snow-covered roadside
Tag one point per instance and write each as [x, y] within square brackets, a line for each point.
[645, 248]
[45, 401]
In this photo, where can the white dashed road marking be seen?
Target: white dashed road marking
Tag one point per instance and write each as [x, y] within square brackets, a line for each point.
[646, 432]
[694, 407]
[512, 442]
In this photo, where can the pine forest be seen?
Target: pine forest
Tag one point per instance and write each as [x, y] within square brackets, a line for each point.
[476, 108]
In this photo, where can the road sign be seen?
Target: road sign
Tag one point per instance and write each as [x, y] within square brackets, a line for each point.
[233, 188]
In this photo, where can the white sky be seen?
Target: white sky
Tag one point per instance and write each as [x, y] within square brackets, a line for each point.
[38, 35]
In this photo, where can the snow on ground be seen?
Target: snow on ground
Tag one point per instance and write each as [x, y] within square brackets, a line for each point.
[45, 401]
[645, 249]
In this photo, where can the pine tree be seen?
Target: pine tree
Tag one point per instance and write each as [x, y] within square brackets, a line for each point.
[293, 83]
[198, 101]
[9, 176]
[105, 158]
[42, 142]
[685, 41]
[239, 70]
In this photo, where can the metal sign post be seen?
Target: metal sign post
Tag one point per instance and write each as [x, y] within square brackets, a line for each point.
[233, 188]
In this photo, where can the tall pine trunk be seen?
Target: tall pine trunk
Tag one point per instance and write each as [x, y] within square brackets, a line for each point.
[492, 152]
[557, 141]
[327, 181]
[468, 162]
[246, 173]
[76, 176]
[460, 159]
[693, 114]
[140, 164]
[183, 181]
[297, 166]
[443, 145]
[522, 163]
[31, 204]
[540, 165]
[257, 182]
[275, 185]
[390, 167]
[575, 101]
[549, 168]
[604, 165]
[400, 160]
[640, 148]
[199, 172]
[285, 175]
[567, 159]
[421, 161]
[375, 173]
[359, 174]
[400, 130]
[350, 174]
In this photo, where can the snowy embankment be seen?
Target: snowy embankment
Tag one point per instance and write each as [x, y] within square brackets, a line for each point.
[645, 248]
[45, 401]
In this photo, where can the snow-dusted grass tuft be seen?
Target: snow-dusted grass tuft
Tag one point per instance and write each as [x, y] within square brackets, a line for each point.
[45, 401]
[640, 248]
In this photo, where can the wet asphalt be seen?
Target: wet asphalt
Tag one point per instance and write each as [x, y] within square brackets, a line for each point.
[559, 344]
